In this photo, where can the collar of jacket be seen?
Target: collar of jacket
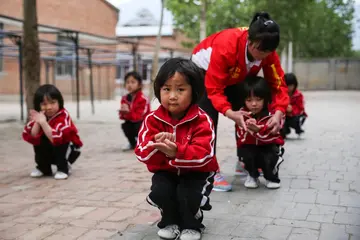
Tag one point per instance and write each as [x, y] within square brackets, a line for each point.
[163, 115]
[296, 93]
[61, 111]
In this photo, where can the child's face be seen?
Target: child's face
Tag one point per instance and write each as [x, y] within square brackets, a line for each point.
[49, 106]
[176, 95]
[254, 104]
[291, 89]
[131, 84]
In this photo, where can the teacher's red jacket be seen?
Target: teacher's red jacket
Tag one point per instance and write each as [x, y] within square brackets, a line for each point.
[223, 57]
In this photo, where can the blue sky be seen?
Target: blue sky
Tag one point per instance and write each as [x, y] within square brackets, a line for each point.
[128, 9]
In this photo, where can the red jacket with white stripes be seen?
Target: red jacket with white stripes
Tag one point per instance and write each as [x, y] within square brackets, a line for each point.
[63, 130]
[262, 137]
[297, 104]
[194, 135]
[223, 57]
[139, 107]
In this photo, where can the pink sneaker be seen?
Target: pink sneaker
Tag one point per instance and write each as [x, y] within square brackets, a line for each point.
[220, 184]
[240, 169]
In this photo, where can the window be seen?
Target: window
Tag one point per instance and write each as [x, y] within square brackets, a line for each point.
[1, 48]
[65, 66]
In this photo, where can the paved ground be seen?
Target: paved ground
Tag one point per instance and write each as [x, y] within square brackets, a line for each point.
[105, 196]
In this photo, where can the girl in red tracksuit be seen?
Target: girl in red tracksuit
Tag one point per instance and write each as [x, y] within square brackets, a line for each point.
[295, 112]
[176, 142]
[53, 134]
[228, 57]
[134, 106]
[258, 147]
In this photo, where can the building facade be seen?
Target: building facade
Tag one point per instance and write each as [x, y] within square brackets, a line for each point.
[142, 30]
[95, 23]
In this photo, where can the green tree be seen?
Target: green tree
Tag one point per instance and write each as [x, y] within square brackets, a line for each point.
[327, 30]
[317, 28]
[220, 14]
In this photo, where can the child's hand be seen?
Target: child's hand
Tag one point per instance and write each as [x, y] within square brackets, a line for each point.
[254, 128]
[32, 114]
[160, 137]
[124, 108]
[37, 117]
[40, 118]
[250, 121]
[289, 108]
[167, 147]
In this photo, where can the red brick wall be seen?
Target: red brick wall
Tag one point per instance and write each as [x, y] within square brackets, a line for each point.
[94, 16]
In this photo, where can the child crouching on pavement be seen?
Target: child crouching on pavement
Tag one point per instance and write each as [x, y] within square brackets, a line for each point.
[176, 142]
[53, 134]
[295, 112]
[134, 106]
[258, 148]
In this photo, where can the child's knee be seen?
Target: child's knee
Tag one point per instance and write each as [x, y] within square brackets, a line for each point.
[161, 193]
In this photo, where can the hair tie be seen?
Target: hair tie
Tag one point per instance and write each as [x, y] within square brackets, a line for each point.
[268, 22]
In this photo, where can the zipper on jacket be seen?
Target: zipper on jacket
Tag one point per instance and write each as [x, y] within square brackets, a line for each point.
[174, 131]
[178, 172]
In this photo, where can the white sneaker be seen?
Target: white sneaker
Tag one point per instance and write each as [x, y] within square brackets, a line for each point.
[272, 185]
[251, 182]
[190, 234]
[36, 173]
[169, 232]
[60, 176]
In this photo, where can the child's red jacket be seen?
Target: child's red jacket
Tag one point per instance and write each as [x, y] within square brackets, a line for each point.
[63, 130]
[139, 107]
[297, 103]
[223, 57]
[194, 135]
[262, 137]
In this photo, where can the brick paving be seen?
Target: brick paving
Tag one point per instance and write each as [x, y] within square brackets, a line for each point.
[105, 196]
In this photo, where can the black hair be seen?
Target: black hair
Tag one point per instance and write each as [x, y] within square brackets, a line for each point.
[192, 73]
[135, 75]
[291, 79]
[264, 31]
[49, 91]
[256, 86]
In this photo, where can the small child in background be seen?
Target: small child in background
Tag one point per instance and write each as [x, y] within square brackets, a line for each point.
[295, 112]
[176, 142]
[53, 134]
[134, 106]
[257, 147]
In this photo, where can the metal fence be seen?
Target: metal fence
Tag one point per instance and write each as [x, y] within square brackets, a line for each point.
[328, 74]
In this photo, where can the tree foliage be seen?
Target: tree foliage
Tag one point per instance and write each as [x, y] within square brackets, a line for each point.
[317, 28]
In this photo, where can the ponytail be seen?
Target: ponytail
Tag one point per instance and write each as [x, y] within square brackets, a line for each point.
[260, 16]
[264, 31]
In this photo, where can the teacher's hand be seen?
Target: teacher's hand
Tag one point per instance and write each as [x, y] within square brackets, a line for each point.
[238, 117]
[274, 122]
